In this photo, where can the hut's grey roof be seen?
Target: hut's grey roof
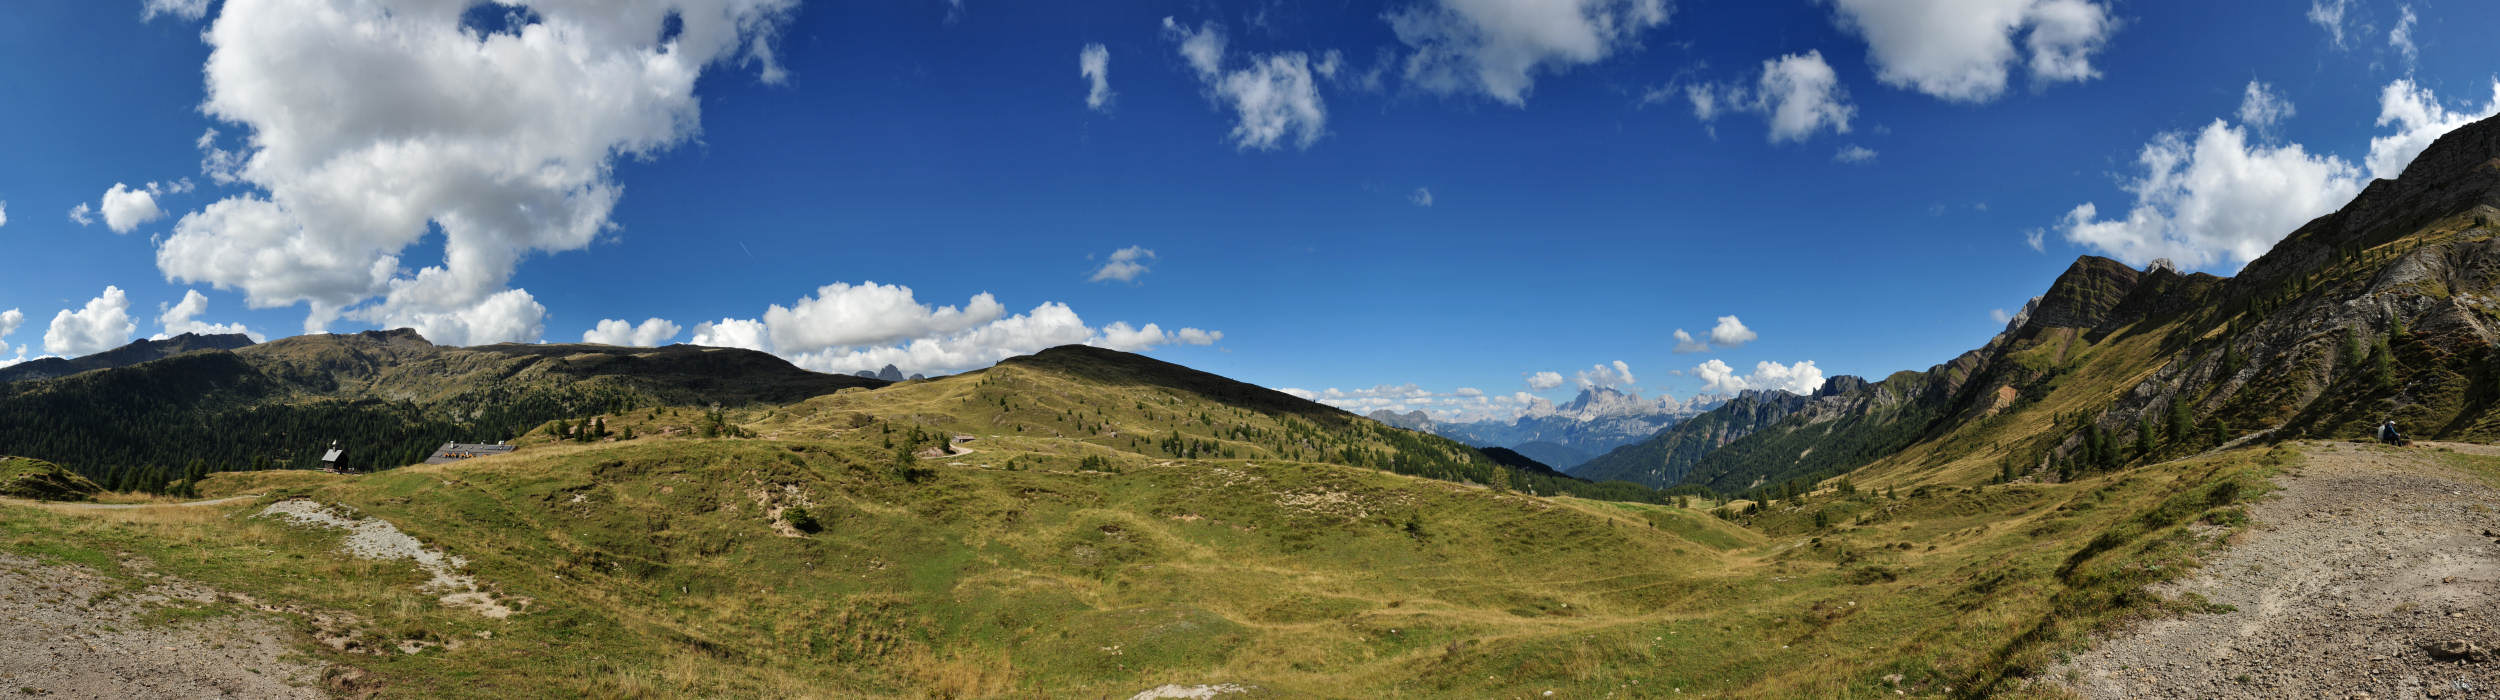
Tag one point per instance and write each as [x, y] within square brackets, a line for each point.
[455, 451]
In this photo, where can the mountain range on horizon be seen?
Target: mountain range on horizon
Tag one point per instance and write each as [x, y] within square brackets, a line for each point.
[1597, 420]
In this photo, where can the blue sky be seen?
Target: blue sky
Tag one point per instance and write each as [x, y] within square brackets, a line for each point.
[1581, 208]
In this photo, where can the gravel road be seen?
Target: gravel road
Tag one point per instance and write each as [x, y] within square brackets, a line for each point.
[68, 632]
[2371, 573]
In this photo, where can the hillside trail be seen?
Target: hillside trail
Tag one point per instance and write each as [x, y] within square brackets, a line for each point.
[2371, 573]
[131, 506]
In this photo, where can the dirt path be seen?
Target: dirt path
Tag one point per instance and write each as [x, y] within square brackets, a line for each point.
[66, 631]
[128, 506]
[2358, 569]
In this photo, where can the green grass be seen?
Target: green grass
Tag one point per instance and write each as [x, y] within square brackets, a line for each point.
[653, 571]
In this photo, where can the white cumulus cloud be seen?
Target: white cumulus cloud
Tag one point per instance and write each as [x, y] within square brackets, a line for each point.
[733, 333]
[1422, 197]
[1731, 333]
[1964, 50]
[2419, 119]
[842, 314]
[2214, 198]
[1798, 94]
[4, 212]
[103, 324]
[1609, 375]
[1125, 265]
[125, 208]
[616, 331]
[1496, 48]
[372, 125]
[2262, 108]
[1801, 378]
[1686, 343]
[846, 328]
[183, 317]
[1093, 63]
[9, 321]
[1274, 99]
[1541, 381]
[1854, 154]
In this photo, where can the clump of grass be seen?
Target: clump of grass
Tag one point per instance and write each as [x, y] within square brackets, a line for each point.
[801, 520]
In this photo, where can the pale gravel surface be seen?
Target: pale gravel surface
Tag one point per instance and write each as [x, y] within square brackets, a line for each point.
[66, 631]
[2365, 555]
[1189, 692]
[375, 538]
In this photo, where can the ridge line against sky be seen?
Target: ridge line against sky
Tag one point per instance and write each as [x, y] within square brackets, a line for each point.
[1463, 193]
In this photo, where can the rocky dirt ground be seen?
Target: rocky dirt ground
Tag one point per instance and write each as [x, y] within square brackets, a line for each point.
[66, 631]
[2372, 573]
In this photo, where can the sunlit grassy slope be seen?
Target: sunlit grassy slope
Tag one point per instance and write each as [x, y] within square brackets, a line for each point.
[1073, 553]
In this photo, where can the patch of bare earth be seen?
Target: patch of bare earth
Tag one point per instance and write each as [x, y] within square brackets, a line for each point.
[2371, 573]
[375, 538]
[66, 631]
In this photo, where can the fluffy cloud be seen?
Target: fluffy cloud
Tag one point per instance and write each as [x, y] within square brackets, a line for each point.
[1542, 381]
[1119, 336]
[1963, 50]
[1686, 343]
[186, 9]
[2216, 198]
[1798, 93]
[102, 325]
[9, 321]
[183, 318]
[1729, 333]
[503, 141]
[1607, 375]
[508, 316]
[1124, 265]
[1194, 336]
[2037, 239]
[1422, 197]
[846, 328]
[1275, 98]
[4, 212]
[733, 333]
[651, 333]
[125, 208]
[1801, 378]
[842, 314]
[2419, 119]
[1496, 47]
[2329, 14]
[2261, 108]
[1854, 154]
[1093, 63]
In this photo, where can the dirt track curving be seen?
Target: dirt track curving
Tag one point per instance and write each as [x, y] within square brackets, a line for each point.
[2372, 573]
